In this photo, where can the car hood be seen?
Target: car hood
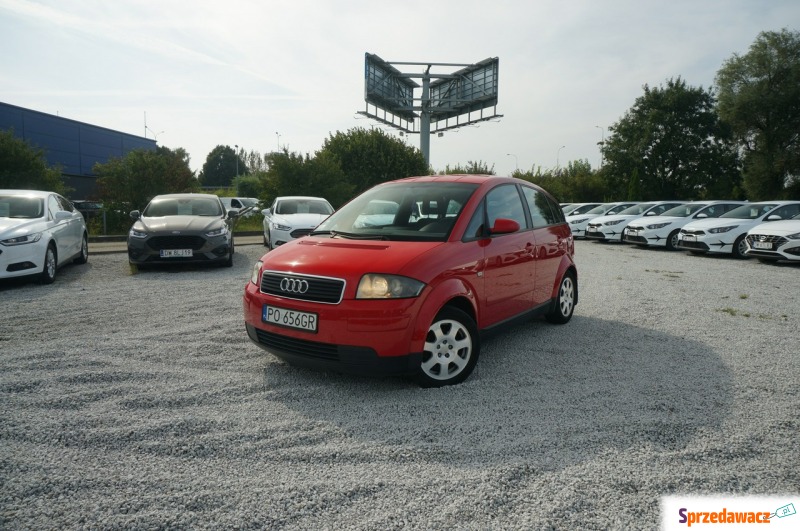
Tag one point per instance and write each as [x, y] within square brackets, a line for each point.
[349, 259]
[179, 223]
[705, 224]
[300, 221]
[10, 227]
[658, 219]
[778, 228]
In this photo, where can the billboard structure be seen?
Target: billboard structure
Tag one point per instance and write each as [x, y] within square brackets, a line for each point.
[446, 101]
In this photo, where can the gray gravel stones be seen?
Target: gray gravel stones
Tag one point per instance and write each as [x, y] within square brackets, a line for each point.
[136, 401]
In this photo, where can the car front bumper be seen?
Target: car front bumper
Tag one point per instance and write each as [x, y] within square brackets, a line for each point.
[353, 336]
[154, 248]
[22, 260]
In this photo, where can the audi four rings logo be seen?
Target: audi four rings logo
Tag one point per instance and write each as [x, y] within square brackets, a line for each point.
[294, 285]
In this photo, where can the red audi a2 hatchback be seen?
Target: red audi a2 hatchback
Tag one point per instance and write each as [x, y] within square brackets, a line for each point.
[404, 278]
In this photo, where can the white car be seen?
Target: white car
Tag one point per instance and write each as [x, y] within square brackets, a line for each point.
[578, 222]
[39, 232]
[726, 234]
[609, 228]
[663, 230]
[292, 217]
[578, 208]
[244, 206]
[776, 240]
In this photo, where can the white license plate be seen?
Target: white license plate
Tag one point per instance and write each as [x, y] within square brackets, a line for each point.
[689, 238]
[632, 232]
[762, 245]
[291, 318]
[176, 253]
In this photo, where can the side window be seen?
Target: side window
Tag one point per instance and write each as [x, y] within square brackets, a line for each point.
[787, 211]
[475, 227]
[504, 202]
[53, 206]
[542, 212]
[65, 204]
[235, 203]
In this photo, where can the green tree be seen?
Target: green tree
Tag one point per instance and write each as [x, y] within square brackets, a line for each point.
[370, 156]
[222, 166]
[131, 181]
[675, 146]
[759, 95]
[472, 168]
[295, 174]
[24, 167]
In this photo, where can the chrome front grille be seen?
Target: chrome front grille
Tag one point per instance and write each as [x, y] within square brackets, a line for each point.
[325, 290]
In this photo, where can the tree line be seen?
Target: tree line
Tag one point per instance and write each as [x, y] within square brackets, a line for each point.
[737, 140]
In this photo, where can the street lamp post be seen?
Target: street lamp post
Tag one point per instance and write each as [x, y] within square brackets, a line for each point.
[237, 159]
[516, 160]
[602, 142]
[279, 140]
[558, 153]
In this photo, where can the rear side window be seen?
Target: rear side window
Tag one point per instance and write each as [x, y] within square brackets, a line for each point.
[544, 212]
[504, 202]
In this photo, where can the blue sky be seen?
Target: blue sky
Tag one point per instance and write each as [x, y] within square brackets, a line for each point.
[264, 74]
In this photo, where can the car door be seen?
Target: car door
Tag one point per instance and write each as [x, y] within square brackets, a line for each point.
[509, 258]
[75, 224]
[551, 242]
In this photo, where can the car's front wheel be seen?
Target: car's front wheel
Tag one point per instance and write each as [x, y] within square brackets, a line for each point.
[672, 241]
[48, 274]
[229, 261]
[83, 256]
[451, 349]
[739, 247]
[565, 300]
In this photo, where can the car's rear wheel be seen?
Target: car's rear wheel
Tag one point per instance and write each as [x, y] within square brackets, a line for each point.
[739, 247]
[451, 349]
[672, 240]
[83, 256]
[565, 300]
[48, 274]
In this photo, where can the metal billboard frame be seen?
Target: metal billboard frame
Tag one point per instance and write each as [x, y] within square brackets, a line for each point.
[451, 96]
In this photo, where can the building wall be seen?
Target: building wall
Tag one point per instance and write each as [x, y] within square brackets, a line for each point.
[73, 145]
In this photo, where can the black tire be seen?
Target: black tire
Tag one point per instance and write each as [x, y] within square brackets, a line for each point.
[564, 305]
[229, 261]
[83, 256]
[48, 274]
[739, 247]
[672, 240]
[451, 350]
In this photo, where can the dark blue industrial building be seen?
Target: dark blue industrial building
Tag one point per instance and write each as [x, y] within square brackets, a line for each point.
[73, 145]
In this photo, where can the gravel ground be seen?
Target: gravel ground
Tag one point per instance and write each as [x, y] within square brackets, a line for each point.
[136, 401]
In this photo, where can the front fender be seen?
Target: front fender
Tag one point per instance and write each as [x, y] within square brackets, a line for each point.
[434, 301]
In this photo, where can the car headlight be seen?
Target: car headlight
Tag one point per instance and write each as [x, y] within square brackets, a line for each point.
[578, 221]
[278, 226]
[658, 225]
[375, 286]
[137, 233]
[21, 240]
[256, 270]
[614, 222]
[720, 230]
[217, 232]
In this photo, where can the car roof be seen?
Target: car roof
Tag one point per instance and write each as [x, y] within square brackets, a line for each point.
[30, 193]
[184, 196]
[304, 197]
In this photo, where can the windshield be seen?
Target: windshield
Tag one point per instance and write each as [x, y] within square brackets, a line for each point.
[21, 207]
[602, 209]
[583, 209]
[684, 211]
[401, 211]
[287, 207]
[753, 211]
[183, 206]
[637, 210]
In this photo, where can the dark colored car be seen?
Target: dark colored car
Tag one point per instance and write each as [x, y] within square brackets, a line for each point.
[410, 293]
[181, 228]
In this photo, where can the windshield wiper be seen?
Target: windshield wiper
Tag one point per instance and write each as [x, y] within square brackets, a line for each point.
[349, 235]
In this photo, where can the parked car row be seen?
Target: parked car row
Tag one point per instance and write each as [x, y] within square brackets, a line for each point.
[768, 230]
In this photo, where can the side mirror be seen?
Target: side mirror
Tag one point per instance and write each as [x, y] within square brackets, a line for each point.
[232, 213]
[651, 213]
[266, 212]
[773, 217]
[135, 215]
[701, 215]
[504, 226]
